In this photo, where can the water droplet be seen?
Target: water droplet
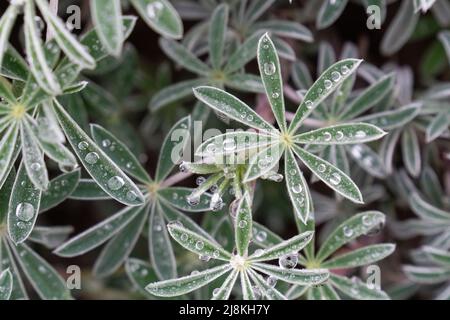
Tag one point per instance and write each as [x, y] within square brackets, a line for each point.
[242, 224]
[214, 188]
[321, 168]
[216, 203]
[257, 293]
[259, 252]
[328, 84]
[184, 237]
[269, 68]
[335, 178]
[193, 200]
[216, 254]
[154, 9]
[229, 145]
[199, 245]
[157, 227]
[271, 281]
[348, 232]
[83, 145]
[335, 76]
[360, 134]
[327, 136]
[35, 166]
[275, 95]
[25, 211]
[367, 220]
[194, 272]
[204, 257]
[106, 143]
[115, 183]
[309, 104]
[183, 167]
[345, 70]
[250, 117]
[288, 261]
[339, 135]
[199, 181]
[91, 158]
[261, 236]
[297, 189]
[131, 195]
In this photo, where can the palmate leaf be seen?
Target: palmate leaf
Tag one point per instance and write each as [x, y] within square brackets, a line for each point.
[360, 257]
[263, 162]
[357, 289]
[294, 244]
[23, 206]
[225, 289]
[217, 34]
[246, 285]
[6, 284]
[107, 18]
[6, 23]
[341, 134]
[59, 189]
[160, 16]
[330, 175]
[102, 169]
[333, 77]
[270, 70]
[268, 291]
[243, 225]
[180, 286]
[295, 276]
[7, 146]
[330, 12]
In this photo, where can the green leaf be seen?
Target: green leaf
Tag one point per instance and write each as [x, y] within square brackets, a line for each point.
[270, 70]
[301, 76]
[5, 194]
[368, 159]
[296, 276]
[326, 57]
[296, 186]
[360, 257]
[341, 134]
[284, 28]
[89, 190]
[427, 211]
[6, 92]
[100, 100]
[45, 280]
[68, 43]
[438, 256]
[217, 34]
[247, 289]
[6, 284]
[101, 168]
[196, 243]
[444, 37]
[119, 153]
[98, 234]
[23, 207]
[332, 78]
[392, 119]
[256, 9]
[329, 12]
[411, 151]
[268, 291]
[140, 274]
[180, 286]
[161, 252]
[330, 175]
[177, 197]
[173, 93]
[59, 190]
[369, 97]
[243, 54]
[181, 55]
[225, 289]
[50, 237]
[291, 245]
[357, 289]
[7, 146]
[232, 107]
[6, 24]
[161, 16]
[438, 125]
[13, 65]
[172, 149]
[350, 229]
[426, 275]
[107, 18]
[36, 55]
[263, 162]
[118, 249]
[18, 291]
[244, 82]
[243, 227]
[263, 237]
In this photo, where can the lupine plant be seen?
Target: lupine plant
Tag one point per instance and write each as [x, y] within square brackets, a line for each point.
[314, 185]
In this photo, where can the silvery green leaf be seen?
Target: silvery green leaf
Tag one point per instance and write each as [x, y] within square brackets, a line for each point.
[268, 291]
[98, 234]
[333, 77]
[301, 76]
[100, 99]
[438, 256]
[68, 43]
[327, 57]
[183, 285]
[430, 183]
[357, 289]
[294, 244]
[245, 82]
[7, 146]
[264, 237]
[426, 275]
[36, 55]
[23, 206]
[368, 159]
[45, 280]
[438, 125]
[411, 151]
[180, 55]
[120, 246]
[13, 65]
[140, 274]
[328, 293]
[369, 97]
[400, 29]
[392, 119]
[6, 24]
[59, 189]
[89, 190]
[284, 28]
[333, 177]
[243, 54]
[243, 225]
[119, 153]
[172, 148]
[284, 49]
[329, 12]
[48, 127]
[161, 16]
[50, 237]
[107, 18]
[270, 70]
[5, 194]
[256, 9]
[196, 243]
[225, 289]
[246, 285]
[350, 229]
[263, 162]
[177, 197]
[342, 94]
[174, 92]
[6, 92]
[232, 107]
[161, 252]
[7, 262]
[6, 284]
[444, 37]
[306, 277]
[341, 134]
[387, 149]
[360, 257]
[102, 169]
[427, 211]
[217, 33]
[296, 186]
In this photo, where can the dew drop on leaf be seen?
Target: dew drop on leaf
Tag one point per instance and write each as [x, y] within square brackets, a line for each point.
[288, 261]
[91, 158]
[25, 211]
[335, 178]
[269, 68]
[115, 183]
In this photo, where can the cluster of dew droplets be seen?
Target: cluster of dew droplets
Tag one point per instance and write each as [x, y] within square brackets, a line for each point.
[259, 235]
[335, 177]
[25, 213]
[271, 281]
[358, 153]
[297, 188]
[288, 261]
[216, 203]
[273, 176]
[154, 10]
[373, 225]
